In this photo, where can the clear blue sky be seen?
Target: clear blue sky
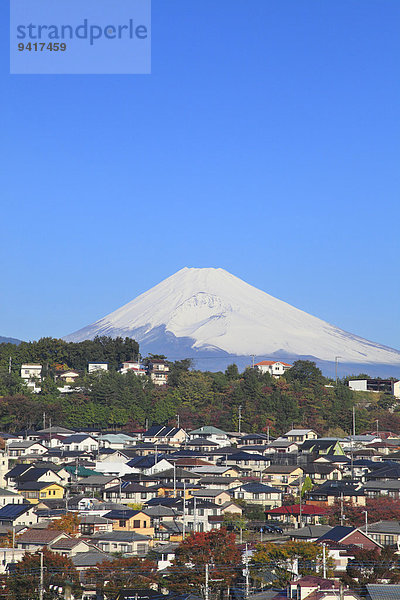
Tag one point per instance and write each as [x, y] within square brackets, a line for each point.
[266, 141]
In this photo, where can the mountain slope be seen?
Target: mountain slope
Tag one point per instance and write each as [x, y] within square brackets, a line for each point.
[7, 340]
[210, 310]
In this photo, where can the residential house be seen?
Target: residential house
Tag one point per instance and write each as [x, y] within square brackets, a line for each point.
[130, 520]
[214, 495]
[296, 515]
[273, 367]
[90, 524]
[80, 442]
[69, 547]
[301, 435]
[250, 463]
[202, 515]
[34, 491]
[320, 472]
[211, 434]
[386, 533]
[127, 542]
[94, 367]
[350, 536]
[22, 449]
[284, 477]
[258, 493]
[374, 489]
[164, 555]
[9, 497]
[331, 491]
[316, 588]
[17, 514]
[165, 435]
[282, 446]
[133, 366]
[158, 371]
[32, 376]
[35, 539]
[129, 492]
[322, 446]
[96, 483]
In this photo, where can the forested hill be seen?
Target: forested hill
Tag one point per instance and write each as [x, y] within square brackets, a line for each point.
[51, 352]
[302, 396]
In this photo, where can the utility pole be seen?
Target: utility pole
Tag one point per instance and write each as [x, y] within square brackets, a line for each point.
[9, 365]
[252, 362]
[341, 510]
[194, 514]
[324, 561]
[301, 503]
[247, 574]
[174, 480]
[206, 591]
[336, 365]
[44, 420]
[178, 421]
[41, 581]
[354, 420]
[366, 521]
[268, 434]
[240, 418]
[377, 427]
[184, 511]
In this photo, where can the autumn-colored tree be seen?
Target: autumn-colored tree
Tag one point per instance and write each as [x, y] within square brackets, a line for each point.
[283, 559]
[379, 509]
[372, 566]
[24, 582]
[217, 549]
[68, 523]
[110, 576]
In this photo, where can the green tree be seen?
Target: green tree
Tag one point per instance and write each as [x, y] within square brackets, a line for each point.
[304, 371]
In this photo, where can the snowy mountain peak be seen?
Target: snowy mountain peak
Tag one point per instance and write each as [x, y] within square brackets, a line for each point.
[209, 308]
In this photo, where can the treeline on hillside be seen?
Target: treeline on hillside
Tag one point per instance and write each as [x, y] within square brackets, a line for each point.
[112, 400]
[53, 353]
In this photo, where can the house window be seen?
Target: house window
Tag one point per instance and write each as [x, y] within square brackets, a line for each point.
[122, 523]
[136, 524]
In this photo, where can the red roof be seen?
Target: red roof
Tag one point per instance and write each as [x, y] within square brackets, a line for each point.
[272, 362]
[294, 509]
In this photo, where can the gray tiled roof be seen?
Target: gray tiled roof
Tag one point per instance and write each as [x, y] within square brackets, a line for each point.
[378, 591]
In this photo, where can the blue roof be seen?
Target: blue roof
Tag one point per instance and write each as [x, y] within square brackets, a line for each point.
[9, 512]
[121, 514]
[337, 533]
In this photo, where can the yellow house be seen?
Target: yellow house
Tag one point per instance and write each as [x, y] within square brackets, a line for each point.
[282, 476]
[166, 490]
[35, 491]
[130, 520]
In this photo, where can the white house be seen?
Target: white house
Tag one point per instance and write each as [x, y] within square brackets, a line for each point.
[273, 367]
[32, 375]
[80, 443]
[131, 366]
[99, 366]
[212, 434]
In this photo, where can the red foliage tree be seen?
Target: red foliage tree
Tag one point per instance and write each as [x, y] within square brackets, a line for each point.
[217, 549]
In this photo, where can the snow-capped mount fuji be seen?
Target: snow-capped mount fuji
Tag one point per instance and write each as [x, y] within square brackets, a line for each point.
[208, 311]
